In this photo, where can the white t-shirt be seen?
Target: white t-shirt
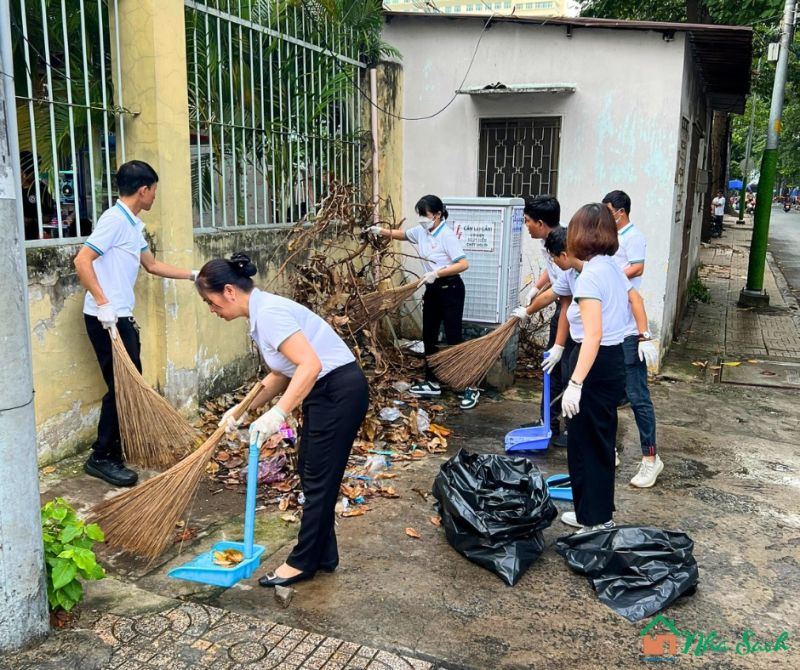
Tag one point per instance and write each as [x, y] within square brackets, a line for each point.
[632, 250]
[553, 271]
[118, 239]
[436, 249]
[274, 318]
[719, 206]
[601, 279]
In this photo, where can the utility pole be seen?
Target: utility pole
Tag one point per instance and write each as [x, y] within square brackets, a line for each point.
[23, 616]
[747, 150]
[754, 294]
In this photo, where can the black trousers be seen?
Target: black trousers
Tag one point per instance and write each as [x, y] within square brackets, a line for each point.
[443, 302]
[332, 414]
[592, 436]
[559, 376]
[108, 444]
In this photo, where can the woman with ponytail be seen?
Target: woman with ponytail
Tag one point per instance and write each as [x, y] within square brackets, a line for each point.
[310, 366]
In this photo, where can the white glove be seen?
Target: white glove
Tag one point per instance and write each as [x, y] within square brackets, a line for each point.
[571, 400]
[267, 425]
[531, 295]
[648, 353]
[553, 358]
[194, 275]
[107, 315]
[428, 278]
[521, 313]
[375, 231]
[229, 422]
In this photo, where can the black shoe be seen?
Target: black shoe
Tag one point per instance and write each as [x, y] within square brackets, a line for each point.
[111, 471]
[560, 441]
[271, 579]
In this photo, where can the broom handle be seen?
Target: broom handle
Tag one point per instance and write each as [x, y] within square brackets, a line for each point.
[250, 500]
[243, 406]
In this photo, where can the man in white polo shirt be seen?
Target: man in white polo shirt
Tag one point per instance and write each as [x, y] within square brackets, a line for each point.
[107, 266]
[630, 258]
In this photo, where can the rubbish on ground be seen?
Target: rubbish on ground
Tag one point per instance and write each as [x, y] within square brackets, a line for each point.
[270, 471]
[494, 509]
[635, 570]
[423, 420]
[436, 520]
[560, 487]
[228, 558]
[412, 533]
[401, 387]
[390, 414]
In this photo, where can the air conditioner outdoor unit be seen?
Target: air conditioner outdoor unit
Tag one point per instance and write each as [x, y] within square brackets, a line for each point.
[490, 230]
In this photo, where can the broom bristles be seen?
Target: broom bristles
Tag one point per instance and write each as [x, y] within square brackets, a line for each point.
[466, 364]
[142, 520]
[374, 306]
[154, 434]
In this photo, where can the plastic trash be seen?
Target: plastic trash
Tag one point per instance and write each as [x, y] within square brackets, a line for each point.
[401, 387]
[493, 510]
[374, 464]
[389, 414]
[423, 420]
[635, 570]
[301, 498]
[269, 470]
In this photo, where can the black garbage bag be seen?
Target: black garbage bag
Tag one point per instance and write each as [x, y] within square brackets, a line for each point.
[493, 510]
[635, 570]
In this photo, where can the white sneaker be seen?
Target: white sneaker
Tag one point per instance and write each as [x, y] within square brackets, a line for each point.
[648, 473]
[616, 458]
[570, 519]
[426, 389]
[608, 525]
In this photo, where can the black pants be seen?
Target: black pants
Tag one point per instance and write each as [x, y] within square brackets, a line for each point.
[559, 376]
[443, 302]
[332, 414]
[108, 444]
[593, 435]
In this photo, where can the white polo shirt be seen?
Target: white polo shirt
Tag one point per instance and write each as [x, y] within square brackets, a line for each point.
[436, 249]
[118, 239]
[274, 318]
[632, 250]
[601, 279]
[553, 271]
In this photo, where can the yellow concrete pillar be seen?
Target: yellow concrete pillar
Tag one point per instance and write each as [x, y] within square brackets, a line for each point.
[152, 58]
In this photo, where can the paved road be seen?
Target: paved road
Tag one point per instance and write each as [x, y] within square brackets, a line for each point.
[784, 243]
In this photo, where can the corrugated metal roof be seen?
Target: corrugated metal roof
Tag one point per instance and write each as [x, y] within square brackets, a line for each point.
[723, 53]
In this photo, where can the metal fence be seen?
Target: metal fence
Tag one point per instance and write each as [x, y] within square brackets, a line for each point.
[273, 108]
[71, 117]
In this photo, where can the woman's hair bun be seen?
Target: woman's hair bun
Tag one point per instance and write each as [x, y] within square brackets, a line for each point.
[242, 265]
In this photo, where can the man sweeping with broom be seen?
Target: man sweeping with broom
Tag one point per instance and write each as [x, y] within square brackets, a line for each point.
[107, 267]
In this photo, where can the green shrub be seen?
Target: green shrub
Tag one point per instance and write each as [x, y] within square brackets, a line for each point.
[68, 554]
[698, 291]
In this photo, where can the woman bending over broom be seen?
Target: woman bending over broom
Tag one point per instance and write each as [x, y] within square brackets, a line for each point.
[443, 261]
[312, 366]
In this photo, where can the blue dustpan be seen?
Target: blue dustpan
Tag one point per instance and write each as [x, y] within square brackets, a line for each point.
[203, 569]
[533, 438]
[560, 487]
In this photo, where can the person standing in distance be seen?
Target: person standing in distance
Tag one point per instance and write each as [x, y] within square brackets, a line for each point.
[630, 257]
[107, 266]
[443, 260]
[718, 212]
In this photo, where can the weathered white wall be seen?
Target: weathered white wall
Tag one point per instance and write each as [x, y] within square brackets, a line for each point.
[618, 130]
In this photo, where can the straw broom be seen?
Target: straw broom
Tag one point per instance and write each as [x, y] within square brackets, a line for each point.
[153, 434]
[374, 306]
[466, 364]
[142, 520]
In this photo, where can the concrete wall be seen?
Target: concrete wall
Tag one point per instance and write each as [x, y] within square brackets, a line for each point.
[618, 130]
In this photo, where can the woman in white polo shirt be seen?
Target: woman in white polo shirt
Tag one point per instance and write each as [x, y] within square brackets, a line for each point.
[443, 260]
[310, 364]
[599, 316]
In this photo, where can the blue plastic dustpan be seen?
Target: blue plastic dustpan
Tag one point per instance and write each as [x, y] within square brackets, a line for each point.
[560, 487]
[533, 438]
[203, 569]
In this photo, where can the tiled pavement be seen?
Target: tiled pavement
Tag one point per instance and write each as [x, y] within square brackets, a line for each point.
[723, 326]
[198, 636]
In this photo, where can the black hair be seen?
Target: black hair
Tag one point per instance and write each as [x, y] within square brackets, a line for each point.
[131, 176]
[431, 204]
[544, 208]
[556, 241]
[218, 272]
[618, 200]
